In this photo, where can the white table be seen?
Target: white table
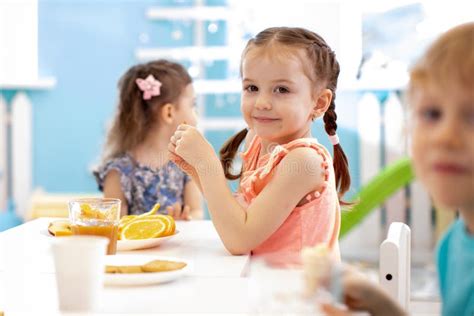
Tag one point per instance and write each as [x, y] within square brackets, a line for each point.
[215, 283]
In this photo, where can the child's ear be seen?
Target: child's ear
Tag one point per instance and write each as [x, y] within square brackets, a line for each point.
[322, 101]
[167, 113]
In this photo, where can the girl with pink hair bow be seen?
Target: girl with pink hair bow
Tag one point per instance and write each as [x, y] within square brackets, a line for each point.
[154, 98]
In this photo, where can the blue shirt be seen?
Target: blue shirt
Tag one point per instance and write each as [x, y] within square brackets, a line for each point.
[143, 186]
[455, 259]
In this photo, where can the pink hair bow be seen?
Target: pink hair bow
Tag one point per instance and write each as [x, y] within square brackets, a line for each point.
[150, 87]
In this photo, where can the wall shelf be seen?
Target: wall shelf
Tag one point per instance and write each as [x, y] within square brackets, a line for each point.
[191, 13]
[381, 84]
[193, 53]
[38, 84]
[218, 86]
[219, 124]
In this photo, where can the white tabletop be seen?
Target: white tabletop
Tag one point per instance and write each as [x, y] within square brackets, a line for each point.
[215, 282]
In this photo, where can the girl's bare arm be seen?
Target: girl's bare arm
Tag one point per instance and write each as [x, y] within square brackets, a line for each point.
[299, 173]
[113, 189]
[193, 199]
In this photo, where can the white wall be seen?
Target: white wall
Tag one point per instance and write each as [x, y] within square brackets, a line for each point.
[18, 40]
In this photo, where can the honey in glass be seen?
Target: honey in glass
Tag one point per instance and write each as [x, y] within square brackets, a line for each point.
[99, 229]
[96, 216]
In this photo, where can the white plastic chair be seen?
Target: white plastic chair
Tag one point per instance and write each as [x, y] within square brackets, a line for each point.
[394, 263]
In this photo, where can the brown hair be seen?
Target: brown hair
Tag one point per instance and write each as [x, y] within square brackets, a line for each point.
[448, 61]
[324, 71]
[134, 116]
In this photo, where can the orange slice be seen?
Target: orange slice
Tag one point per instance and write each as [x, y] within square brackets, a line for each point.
[124, 222]
[60, 228]
[87, 212]
[153, 211]
[143, 229]
[60, 232]
[173, 224]
[130, 218]
[126, 219]
[168, 221]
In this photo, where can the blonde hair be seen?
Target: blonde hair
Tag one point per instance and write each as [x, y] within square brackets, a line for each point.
[135, 116]
[448, 61]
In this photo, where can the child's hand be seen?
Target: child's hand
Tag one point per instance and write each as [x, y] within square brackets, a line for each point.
[361, 294]
[189, 144]
[178, 212]
[181, 163]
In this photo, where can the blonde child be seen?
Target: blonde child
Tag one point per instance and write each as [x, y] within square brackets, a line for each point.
[288, 196]
[153, 99]
[442, 97]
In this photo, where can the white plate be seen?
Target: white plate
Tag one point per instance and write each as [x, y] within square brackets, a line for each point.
[123, 245]
[141, 278]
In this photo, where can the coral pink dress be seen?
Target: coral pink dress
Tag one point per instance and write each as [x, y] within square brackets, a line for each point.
[316, 221]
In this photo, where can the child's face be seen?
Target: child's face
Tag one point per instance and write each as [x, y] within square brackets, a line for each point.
[186, 112]
[277, 95]
[443, 145]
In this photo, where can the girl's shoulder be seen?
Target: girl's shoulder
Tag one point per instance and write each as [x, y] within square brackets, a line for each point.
[249, 139]
[251, 145]
[306, 151]
[303, 164]
[304, 154]
[309, 143]
[123, 163]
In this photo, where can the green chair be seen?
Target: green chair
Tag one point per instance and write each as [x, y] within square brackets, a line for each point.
[391, 179]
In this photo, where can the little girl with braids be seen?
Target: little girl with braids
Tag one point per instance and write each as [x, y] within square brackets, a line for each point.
[153, 99]
[290, 187]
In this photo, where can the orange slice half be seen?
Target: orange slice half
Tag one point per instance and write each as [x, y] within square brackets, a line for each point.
[168, 221]
[143, 229]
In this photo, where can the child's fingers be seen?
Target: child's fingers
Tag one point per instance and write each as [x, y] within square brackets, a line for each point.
[176, 138]
[182, 127]
[332, 310]
[177, 210]
[172, 157]
[173, 140]
[170, 211]
[172, 148]
[182, 164]
[186, 213]
[177, 135]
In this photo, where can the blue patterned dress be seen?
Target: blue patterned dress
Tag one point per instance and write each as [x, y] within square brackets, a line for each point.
[144, 186]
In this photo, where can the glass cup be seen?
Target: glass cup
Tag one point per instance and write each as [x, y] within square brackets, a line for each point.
[96, 216]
